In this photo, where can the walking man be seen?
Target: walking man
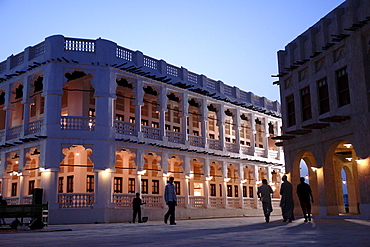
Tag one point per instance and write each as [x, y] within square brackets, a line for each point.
[305, 194]
[171, 201]
[264, 193]
[286, 202]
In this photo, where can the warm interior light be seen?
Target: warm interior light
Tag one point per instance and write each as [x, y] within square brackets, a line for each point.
[243, 181]
[349, 159]
[227, 179]
[314, 168]
[107, 170]
[167, 174]
[209, 178]
[347, 145]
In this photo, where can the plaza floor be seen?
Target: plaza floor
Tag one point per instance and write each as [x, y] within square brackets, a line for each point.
[242, 231]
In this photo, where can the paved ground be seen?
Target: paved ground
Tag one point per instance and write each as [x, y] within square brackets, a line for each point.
[244, 231]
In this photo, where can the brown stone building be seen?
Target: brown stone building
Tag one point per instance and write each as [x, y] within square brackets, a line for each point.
[324, 80]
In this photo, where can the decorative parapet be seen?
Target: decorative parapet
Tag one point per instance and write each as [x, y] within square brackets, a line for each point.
[327, 33]
[104, 52]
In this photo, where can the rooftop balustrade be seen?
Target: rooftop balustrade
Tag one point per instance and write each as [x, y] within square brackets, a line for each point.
[85, 51]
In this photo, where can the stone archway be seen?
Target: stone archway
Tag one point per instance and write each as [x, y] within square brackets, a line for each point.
[313, 179]
[341, 155]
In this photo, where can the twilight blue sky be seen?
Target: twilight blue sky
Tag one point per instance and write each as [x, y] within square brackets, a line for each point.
[234, 41]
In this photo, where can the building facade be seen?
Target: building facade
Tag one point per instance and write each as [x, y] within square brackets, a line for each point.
[324, 85]
[92, 123]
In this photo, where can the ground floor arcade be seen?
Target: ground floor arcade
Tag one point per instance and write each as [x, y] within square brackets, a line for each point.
[80, 191]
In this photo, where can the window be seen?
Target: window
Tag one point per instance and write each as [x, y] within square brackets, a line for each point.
[90, 183]
[70, 184]
[177, 185]
[117, 185]
[168, 127]
[196, 133]
[131, 185]
[229, 191]
[145, 109]
[92, 112]
[120, 103]
[211, 123]
[60, 184]
[250, 192]
[195, 120]
[290, 110]
[14, 189]
[144, 122]
[176, 115]
[120, 117]
[155, 187]
[168, 113]
[220, 188]
[144, 186]
[244, 191]
[213, 189]
[323, 92]
[33, 110]
[236, 189]
[343, 87]
[211, 136]
[306, 104]
[176, 129]
[31, 186]
[92, 98]
[155, 125]
[65, 97]
[155, 113]
[132, 119]
[227, 139]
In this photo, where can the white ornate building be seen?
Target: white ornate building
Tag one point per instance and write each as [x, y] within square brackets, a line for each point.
[324, 80]
[91, 123]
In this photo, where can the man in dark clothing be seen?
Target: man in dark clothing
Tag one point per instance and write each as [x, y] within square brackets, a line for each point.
[264, 193]
[305, 194]
[286, 202]
[136, 204]
[171, 201]
[2, 202]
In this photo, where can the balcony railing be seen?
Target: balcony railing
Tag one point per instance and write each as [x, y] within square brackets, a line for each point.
[232, 147]
[233, 202]
[197, 201]
[76, 200]
[123, 200]
[181, 201]
[27, 199]
[151, 133]
[196, 141]
[273, 154]
[153, 201]
[34, 126]
[214, 144]
[14, 200]
[77, 123]
[176, 137]
[14, 132]
[216, 202]
[260, 152]
[246, 150]
[125, 128]
[249, 203]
